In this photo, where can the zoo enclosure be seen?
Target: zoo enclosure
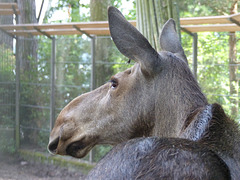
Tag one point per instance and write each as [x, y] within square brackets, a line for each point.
[19, 87]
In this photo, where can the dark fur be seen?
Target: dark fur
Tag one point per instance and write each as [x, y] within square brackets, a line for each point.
[158, 96]
[221, 135]
[160, 158]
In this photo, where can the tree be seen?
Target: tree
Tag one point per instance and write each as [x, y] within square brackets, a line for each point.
[152, 15]
[73, 9]
[26, 49]
[7, 86]
[6, 19]
[233, 68]
[98, 11]
[222, 85]
[26, 57]
[229, 7]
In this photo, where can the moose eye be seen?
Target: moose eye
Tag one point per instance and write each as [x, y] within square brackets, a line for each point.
[114, 83]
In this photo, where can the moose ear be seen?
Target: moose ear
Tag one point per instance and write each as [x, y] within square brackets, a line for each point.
[169, 40]
[130, 42]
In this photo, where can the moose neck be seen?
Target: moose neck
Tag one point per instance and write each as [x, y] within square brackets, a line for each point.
[173, 107]
[173, 118]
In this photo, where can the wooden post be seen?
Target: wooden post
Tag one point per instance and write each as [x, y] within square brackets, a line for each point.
[52, 84]
[154, 25]
[93, 84]
[17, 105]
[195, 48]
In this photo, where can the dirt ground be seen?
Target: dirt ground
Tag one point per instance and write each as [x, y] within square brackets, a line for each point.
[14, 168]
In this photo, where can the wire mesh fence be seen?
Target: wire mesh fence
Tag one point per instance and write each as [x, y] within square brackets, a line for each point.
[72, 78]
[7, 87]
[7, 94]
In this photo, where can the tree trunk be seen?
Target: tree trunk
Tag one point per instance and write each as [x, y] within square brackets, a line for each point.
[152, 15]
[5, 39]
[233, 67]
[26, 49]
[98, 10]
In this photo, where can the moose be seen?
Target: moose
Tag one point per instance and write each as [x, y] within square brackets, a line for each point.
[160, 158]
[157, 96]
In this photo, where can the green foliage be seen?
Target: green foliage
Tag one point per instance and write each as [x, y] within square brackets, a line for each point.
[198, 8]
[212, 63]
[72, 7]
[73, 68]
[73, 71]
[213, 52]
[218, 7]
[213, 74]
[7, 140]
[79, 11]
[131, 13]
[34, 98]
[193, 8]
[100, 151]
[7, 94]
[72, 78]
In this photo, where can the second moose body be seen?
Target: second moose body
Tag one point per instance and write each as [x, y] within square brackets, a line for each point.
[160, 158]
[158, 96]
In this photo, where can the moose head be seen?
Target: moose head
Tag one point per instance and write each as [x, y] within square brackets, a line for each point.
[153, 97]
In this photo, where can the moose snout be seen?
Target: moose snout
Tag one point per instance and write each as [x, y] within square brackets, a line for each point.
[60, 134]
[52, 146]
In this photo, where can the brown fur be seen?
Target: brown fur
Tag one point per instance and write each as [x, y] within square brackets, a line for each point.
[158, 96]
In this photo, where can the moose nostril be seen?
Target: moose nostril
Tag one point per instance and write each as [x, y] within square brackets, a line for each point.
[52, 147]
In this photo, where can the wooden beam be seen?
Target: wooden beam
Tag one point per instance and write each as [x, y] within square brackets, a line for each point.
[81, 31]
[205, 20]
[105, 31]
[8, 8]
[8, 5]
[97, 24]
[19, 26]
[8, 11]
[235, 17]
[212, 28]
[99, 31]
[43, 32]
[11, 35]
[212, 24]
